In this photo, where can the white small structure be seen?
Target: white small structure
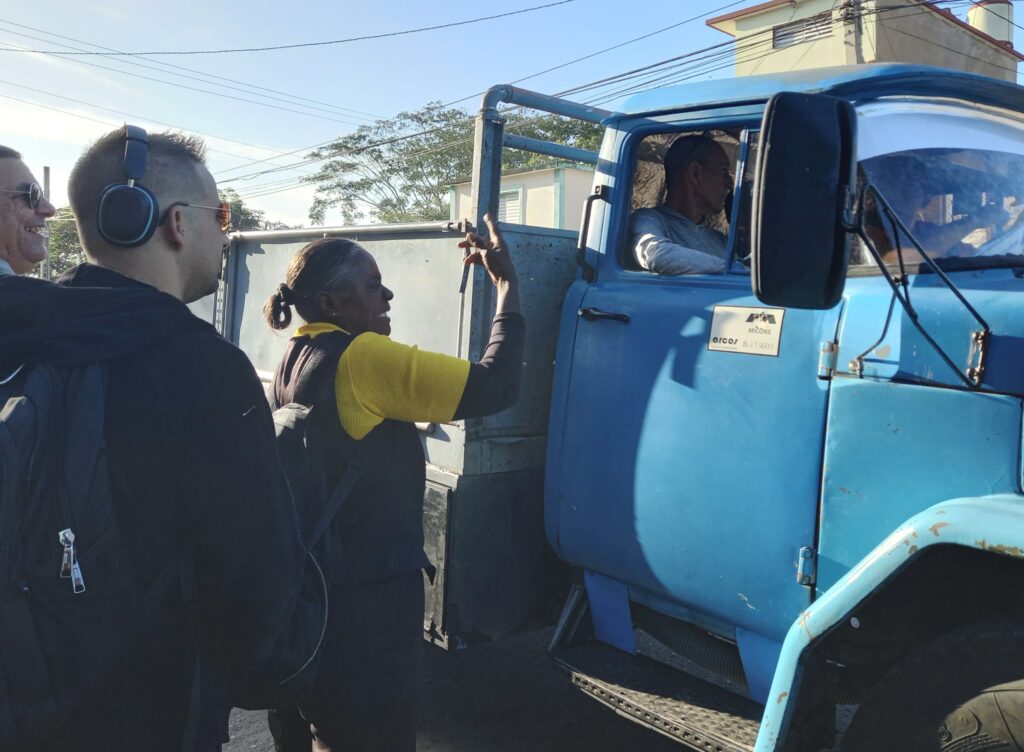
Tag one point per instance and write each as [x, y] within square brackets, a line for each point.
[549, 197]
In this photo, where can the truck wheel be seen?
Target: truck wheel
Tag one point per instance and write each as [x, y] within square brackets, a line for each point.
[963, 692]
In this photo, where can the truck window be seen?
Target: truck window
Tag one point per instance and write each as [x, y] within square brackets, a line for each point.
[685, 218]
[959, 189]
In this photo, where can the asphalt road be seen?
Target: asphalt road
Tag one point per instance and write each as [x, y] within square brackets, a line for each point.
[507, 697]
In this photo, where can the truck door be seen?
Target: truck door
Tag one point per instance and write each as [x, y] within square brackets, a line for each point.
[687, 460]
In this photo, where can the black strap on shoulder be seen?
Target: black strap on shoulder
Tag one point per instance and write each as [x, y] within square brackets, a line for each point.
[341, 492]
[317, 379]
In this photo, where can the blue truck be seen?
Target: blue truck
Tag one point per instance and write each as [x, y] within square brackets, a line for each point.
[756, 496]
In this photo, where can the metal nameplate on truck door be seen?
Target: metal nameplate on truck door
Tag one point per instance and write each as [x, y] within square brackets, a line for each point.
[742, 329]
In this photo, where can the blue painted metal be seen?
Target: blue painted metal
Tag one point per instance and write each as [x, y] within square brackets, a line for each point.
[560, 151]
[861, 82]
[905, 355]
[609, 611]
[506, 94]
[929, 444]
[669, 455]
[694, 477]
[990, 523]
[760, 656]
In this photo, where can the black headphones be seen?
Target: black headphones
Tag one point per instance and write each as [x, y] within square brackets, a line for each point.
[128, 212]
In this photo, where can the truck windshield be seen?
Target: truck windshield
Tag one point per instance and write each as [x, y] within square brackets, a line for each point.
[960, 198]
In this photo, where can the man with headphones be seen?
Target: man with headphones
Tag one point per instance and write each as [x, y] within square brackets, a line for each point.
[23, 214]
[193, 467]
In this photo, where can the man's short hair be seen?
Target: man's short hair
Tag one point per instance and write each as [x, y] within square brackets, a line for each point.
[8, 153]
[683, 151]
[171, 162]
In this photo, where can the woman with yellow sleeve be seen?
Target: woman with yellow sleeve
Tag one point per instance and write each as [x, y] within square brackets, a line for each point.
[374, 389]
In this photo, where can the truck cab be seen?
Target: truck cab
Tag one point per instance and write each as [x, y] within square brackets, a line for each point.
[775, 493]
[830, 423]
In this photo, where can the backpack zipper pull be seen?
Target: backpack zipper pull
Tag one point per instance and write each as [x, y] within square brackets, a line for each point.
[69, 567]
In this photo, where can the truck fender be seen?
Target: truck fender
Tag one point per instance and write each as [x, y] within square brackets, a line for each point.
[989, 523]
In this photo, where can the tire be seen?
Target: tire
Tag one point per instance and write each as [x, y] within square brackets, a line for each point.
[963, 692]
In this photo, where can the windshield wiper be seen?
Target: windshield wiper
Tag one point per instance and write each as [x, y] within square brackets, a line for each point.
[973, 374]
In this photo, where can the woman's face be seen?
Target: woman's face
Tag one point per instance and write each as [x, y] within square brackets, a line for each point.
[362, 305]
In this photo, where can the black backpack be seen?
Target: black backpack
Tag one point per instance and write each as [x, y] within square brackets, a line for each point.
[73, 615]
[306, 444]
[303, 445]
[72, 612]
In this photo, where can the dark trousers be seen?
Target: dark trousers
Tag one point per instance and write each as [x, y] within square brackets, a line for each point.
[365, 695]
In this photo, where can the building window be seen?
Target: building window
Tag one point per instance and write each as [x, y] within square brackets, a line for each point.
[804, 30]
[510, 206]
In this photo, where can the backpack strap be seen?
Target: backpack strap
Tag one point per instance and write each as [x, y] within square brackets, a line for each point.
[341, 492]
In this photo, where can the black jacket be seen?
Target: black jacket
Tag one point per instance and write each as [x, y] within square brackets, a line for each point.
[379, 531]
[193, 467]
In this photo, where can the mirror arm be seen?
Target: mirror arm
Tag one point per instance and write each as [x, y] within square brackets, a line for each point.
[901, 290]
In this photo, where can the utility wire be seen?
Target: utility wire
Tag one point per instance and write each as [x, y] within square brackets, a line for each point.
[447, 105]
[698, 66]
[606, 49]
[309, 44]
[141, 117]
[368, 115]
[193, 88]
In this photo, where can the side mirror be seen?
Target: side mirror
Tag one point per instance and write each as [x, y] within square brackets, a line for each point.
[805, 175]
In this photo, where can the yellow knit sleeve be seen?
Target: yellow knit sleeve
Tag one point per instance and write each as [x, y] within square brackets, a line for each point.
[378, 379]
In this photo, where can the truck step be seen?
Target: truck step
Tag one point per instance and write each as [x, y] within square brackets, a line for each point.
[682, 707]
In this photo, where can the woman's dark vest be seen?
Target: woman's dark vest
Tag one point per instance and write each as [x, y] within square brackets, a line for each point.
[379, 531]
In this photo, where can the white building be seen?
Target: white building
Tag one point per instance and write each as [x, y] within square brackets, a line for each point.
[784, 35]
[550, 197]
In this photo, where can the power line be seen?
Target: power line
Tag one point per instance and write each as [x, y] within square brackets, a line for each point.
[193, 88]
[549, 70]
[140, 117]
[606, 49]
[309, 44]
[184, 68]
[696, 61]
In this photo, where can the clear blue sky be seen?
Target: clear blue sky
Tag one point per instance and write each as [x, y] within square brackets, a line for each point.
[375, 78]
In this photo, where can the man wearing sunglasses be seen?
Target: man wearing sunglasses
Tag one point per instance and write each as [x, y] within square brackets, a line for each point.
[23, 214]
[191, 454]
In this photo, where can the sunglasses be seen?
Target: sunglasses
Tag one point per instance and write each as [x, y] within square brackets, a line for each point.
[223, 212]
[34, 193]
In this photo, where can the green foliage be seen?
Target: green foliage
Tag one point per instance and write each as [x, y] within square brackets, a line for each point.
[246, 218]
[65, 247]
[368, 175]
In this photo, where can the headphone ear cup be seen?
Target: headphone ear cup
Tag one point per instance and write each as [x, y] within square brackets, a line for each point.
[127, 215]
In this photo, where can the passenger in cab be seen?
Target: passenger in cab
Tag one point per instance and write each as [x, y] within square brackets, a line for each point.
[369, 390]
[673, 238]
[23, 214]
[951, 209]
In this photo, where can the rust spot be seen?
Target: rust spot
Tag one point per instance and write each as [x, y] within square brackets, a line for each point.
[1015, 551]
[844, 489]
[941, 511]
[883, 351]
[782, 696]
[912, 550]
[937, 527]
[804, 616]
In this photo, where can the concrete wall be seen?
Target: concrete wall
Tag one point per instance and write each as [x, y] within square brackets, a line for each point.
[914, 35]
[929, 39]
[754, 52]
[551, 197]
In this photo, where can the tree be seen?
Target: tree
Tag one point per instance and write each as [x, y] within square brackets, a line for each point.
[371, 174]
[246, 218]
[65, 247]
